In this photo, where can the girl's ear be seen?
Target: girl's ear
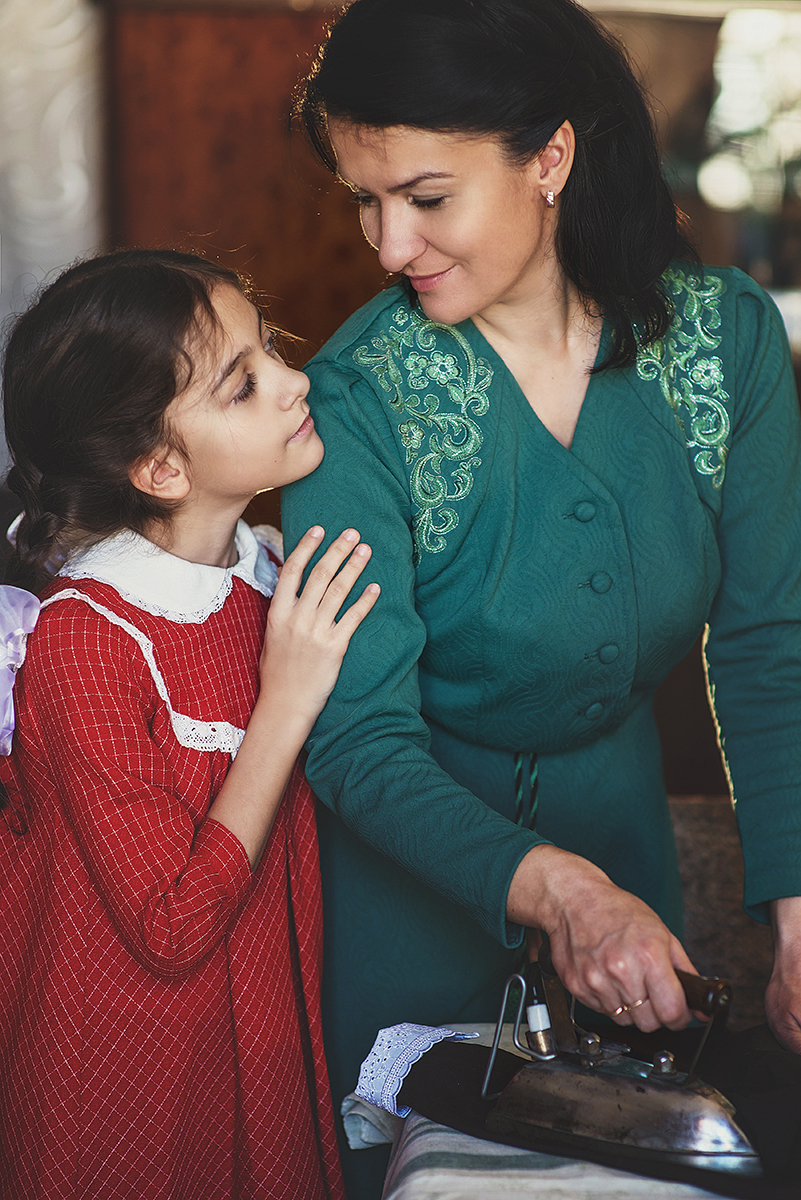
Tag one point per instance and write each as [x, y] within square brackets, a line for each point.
[163, 476]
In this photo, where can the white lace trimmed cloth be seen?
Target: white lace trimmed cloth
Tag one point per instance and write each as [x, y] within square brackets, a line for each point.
[394, 1053]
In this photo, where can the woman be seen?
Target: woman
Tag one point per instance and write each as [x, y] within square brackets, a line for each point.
[570, 449]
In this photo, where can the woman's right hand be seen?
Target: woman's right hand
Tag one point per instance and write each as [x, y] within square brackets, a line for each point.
[610, 950]
[305, 643]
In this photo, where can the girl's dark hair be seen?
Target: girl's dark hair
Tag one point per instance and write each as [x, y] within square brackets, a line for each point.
[89, 372]
[516, 70]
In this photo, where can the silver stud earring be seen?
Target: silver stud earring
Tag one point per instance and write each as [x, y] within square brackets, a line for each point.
[549, 199]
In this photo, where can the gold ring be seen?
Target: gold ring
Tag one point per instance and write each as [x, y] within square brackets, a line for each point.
[628, 1007]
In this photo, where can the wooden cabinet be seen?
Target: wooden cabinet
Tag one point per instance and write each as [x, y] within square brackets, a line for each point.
[200, 157]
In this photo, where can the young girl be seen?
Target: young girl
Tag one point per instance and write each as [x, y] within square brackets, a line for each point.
[160, 941]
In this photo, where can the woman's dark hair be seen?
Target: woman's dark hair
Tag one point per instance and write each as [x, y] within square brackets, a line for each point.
[90, 370]
[516, 70]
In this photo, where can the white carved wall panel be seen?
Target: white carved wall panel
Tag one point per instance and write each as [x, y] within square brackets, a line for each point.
[50, 141]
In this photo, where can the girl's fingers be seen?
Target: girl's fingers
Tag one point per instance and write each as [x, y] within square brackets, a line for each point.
[353, 617]
[324, 571]
[339, 588]
[329, 583]
[291, 573]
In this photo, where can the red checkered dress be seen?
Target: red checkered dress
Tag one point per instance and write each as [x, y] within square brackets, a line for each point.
[159, 1016]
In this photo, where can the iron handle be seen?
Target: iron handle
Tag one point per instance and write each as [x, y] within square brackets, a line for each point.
[706, 995]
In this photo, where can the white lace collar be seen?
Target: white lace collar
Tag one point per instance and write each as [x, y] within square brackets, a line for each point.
[168, 586]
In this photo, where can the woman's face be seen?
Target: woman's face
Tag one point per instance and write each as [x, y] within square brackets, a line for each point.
[469, 229]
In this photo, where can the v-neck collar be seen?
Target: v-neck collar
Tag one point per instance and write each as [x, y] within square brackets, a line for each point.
[470, 330]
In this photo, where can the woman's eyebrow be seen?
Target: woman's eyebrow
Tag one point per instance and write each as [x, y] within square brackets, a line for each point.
[402, 187]
[410, 183]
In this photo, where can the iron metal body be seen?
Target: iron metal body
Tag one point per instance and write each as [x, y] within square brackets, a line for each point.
[586, 1094]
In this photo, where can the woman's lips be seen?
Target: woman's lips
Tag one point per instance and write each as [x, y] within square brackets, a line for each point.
[426, 283]
[306, 428]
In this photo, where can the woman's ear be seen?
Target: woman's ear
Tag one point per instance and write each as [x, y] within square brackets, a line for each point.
[552, 166]
[163, 475]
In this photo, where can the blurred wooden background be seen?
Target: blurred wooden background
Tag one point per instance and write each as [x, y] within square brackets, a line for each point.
[199, 156]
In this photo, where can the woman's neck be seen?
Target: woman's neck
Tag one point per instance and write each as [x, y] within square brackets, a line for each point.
[549, 343]
[544, 314]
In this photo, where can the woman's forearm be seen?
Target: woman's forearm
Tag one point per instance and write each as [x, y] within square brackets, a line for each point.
[783, 995]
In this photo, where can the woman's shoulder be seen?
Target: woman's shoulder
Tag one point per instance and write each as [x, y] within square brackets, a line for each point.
[703, 291]
[719, 312]
[373, 320]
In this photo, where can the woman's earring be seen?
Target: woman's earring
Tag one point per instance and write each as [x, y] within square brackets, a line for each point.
[549, 199]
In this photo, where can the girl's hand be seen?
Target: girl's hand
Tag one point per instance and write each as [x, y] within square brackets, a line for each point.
[611, 951]
[303, 650]
[305, 643]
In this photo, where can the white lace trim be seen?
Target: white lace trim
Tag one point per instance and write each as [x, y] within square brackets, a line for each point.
[155, 610]
[205, 736]
[394, 1053]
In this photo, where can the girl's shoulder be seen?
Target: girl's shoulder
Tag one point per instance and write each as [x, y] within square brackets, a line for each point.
[82, 623]
[74, 652]
[149, 581]
[124, 600]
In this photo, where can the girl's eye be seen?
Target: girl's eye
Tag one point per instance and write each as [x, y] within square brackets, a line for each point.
[269, 342]
[247, 389]
[363, 200]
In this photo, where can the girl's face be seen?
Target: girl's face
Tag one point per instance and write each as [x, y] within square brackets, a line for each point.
[243, 420]
[467, 227]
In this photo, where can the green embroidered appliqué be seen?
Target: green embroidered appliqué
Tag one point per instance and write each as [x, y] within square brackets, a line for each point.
[690, 376]
[441, 439]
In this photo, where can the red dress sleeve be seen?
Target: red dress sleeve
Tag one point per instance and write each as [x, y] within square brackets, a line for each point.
[172, 881]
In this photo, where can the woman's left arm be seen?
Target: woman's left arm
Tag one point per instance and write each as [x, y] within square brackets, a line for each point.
[783, 997]
[753, 645]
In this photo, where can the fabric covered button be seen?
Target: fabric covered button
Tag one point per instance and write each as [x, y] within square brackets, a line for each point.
[594, 711]
[609, 653]
[601, 582]
[584, 511]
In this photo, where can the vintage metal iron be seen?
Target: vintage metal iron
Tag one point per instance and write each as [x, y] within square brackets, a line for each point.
[584, 1094]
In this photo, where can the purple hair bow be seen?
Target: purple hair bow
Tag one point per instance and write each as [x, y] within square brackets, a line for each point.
[19, 612]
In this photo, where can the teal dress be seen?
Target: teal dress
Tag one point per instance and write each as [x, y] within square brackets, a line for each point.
[533, 598]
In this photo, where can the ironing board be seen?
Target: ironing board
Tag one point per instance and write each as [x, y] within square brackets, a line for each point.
[432, 1162]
